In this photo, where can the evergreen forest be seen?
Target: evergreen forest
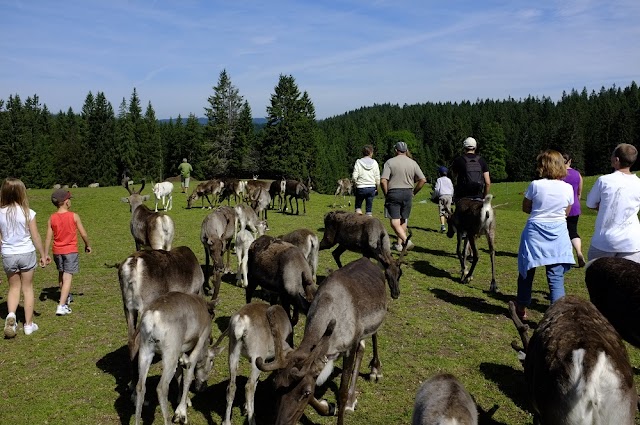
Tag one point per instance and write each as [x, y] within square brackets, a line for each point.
[99, 142]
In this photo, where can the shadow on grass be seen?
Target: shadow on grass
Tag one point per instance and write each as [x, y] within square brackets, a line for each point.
[116, 363]
[476, 304]
[509, 380]
[427, 269]
[4, 310]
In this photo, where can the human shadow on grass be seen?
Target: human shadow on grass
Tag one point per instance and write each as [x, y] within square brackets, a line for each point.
[510, 382]
[53, 293]
[505, 298]
[4, 310]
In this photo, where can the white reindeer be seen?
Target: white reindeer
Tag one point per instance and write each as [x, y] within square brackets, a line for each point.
[164, 191]
[244, 239]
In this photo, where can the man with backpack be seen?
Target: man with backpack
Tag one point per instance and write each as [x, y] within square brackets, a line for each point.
[472, 173]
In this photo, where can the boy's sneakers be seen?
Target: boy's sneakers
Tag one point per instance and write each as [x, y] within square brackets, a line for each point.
[29, 329]
[63, 310]
[10, 326]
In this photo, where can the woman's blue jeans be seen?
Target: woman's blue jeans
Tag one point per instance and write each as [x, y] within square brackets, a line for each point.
[365, 194]
[555, 279]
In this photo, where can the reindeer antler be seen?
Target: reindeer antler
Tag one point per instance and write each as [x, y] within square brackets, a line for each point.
[126, 186]
[141, 187]
[522, 328]
[318, 351]
[280, 360]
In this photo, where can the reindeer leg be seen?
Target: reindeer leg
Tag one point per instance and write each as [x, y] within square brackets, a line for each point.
[375, 365]
[474, 252]
[460, 251]
[337, 253]
[216, 285]
[492, 250]
[345, 401]
[323, 407]
[206, 270]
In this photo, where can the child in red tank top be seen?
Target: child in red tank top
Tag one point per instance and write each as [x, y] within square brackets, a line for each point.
[63, 227]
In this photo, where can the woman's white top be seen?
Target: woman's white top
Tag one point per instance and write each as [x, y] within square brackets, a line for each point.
[550, 199]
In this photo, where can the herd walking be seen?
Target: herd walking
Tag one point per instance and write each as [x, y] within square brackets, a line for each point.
[576, 366]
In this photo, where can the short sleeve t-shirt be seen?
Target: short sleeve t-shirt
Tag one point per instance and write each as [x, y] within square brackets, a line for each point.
[550, 199]
[402, 172]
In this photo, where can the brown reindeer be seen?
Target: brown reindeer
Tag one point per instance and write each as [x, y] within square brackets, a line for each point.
[349, 307]
[148, 228]
[576, 367]
[345, 186]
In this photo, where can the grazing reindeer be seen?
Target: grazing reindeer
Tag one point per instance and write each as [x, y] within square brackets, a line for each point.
[203, 190]
[94, 185]
[345, 186]
[246, 216]
[614, 288]
[307, 241]
[364, 234]
[441, 400]
[473, 218]
[280, 267]
[145, 275]
[250, 335]
[148, 228]
[297, 190]
[349, 306]
[177, 326]
[163, 191]
[255, 185]
[278, 189]
[216, 232]
[260, 200]
[576, 367]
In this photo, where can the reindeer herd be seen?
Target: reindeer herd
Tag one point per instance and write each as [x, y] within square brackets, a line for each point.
[575, 365]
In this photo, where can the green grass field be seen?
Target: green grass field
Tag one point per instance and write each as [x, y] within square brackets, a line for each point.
[73, 369]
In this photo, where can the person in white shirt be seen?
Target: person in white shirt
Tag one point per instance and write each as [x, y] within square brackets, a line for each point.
[616, 196]
[20, 240]
[545, 237]
[366, 175]
[443, 194]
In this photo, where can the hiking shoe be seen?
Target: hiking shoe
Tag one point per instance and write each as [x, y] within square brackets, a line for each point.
[10, 326]
[29, 329]
[63, 310]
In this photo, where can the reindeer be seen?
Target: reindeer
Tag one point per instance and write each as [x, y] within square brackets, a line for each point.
[177, 326]
[364, 234]
[250, 336]
[233, 187]
[576, 367]
[614, 288]
[345, 186]
[203, 190]
[145, 275]
[163, 191]
[255, 185]
[297, 190]
[277, 189]
[471, 219]
[349, 306]
[216, 232]
[148, 228]
[307, 241]
[280, 267]
[244, 239]
[260, 200]
[246, 216]
[442, 399]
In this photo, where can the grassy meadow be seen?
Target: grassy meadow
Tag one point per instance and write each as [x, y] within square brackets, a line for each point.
[73, 369]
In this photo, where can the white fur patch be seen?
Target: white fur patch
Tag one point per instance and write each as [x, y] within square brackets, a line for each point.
[326, 372]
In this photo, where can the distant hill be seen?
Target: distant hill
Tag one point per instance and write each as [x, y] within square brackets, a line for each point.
[203, 120]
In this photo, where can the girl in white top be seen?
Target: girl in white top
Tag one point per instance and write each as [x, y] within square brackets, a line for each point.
[366, 175]
[616, 196]
[20, 239]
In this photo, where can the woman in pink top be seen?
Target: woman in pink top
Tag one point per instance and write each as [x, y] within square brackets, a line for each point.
[574, 178]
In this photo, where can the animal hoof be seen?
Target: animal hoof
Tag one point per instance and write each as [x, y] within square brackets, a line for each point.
[375, 376]
[494, 287]
[351, 407]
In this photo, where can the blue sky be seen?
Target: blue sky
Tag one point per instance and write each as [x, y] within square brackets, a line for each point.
[345, 54]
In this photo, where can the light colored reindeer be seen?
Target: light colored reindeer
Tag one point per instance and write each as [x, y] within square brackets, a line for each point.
[163, 191]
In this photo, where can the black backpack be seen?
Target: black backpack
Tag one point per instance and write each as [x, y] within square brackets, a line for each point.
[474, 177]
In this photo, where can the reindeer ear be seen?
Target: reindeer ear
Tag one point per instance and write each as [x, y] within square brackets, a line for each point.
[125, 200]
[145, 198]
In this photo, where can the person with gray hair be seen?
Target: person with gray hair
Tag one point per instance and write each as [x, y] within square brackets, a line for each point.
[185, 174]
[616, 197]
[471, 172]
[401, 180]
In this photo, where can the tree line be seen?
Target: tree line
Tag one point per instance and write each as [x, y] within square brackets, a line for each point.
[98, 143]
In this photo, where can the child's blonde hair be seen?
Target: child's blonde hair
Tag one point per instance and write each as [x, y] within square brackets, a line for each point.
[13, 195]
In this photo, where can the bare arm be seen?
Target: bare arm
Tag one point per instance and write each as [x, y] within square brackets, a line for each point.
[567, 210]
[83, 234]
[580, 189]
[418, 186]
[384, 185]
[527, 205]
[487, 182]
[49, 237]
[37, 242]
